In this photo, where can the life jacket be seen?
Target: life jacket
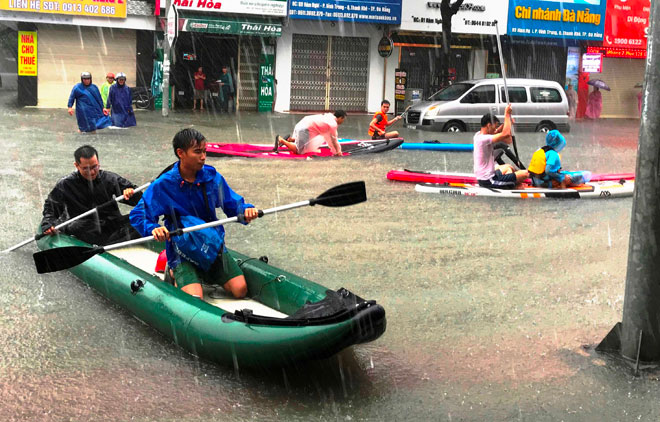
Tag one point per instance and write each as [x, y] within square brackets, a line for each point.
[536, 167]
[380, 125]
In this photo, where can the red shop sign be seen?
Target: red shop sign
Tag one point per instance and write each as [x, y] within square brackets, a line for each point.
[624, 53]
[627, 23]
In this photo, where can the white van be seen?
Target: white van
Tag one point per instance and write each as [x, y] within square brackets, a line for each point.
[538, 105]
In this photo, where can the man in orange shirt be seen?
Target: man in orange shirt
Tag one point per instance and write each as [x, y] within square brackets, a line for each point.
[379, 123]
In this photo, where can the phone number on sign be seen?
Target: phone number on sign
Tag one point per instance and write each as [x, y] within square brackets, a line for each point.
[78, 8]
[627, 41]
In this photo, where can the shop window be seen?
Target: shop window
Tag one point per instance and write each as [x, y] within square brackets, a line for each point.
[545, 95]
[480, 95]
[516, 95]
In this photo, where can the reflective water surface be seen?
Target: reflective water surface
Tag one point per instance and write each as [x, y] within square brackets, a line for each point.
[493, 306]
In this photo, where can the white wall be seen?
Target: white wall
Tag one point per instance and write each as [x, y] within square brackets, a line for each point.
[313, 27]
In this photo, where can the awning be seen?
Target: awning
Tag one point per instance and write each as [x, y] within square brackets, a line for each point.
[229, 25]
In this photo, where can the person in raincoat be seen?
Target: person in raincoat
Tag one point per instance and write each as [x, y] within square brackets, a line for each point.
[313, 131]
[545, 167]
[571, 96]
[594, 104]
[120, 100]
[226, 90]
[105, 88]
[89, 105]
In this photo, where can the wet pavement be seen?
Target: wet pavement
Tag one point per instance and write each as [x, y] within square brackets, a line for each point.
[493, 307]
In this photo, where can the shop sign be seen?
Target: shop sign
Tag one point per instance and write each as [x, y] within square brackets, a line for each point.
[266, 83]
[226, 26]
[592, 63]
[580, 19]
[27, 53]
[473, 17]
[100, 8]
[572, 65]
[245, 7]
[400, 80]
[377, 11]
[627, 23]
[385, 47]
[623, 53]
[172, 25]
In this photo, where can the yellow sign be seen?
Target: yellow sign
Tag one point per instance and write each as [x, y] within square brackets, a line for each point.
[27, 53]
[103, 8]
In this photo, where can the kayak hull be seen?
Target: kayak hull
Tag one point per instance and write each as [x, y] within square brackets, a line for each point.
[421, 176]
[591, 190]
[226, 337]
[349, 147]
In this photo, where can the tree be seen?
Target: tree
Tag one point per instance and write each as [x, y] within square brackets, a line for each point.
[447, 11]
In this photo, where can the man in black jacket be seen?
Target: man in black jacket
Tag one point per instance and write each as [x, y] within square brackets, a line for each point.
[85, 189]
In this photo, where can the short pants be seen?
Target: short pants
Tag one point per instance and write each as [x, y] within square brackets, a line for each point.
[223, 269]
[378, 136]
[200, 94]
[500, 181]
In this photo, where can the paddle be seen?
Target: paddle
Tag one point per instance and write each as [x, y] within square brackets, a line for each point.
[71, 220]
[69, 256]
[506, 94]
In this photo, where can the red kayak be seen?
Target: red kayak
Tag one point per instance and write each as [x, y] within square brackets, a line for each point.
[452, 177]
[349, 147]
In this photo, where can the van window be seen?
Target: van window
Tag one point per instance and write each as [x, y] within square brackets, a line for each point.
[451, 93]
[517, 94]
[545, 95]
[480, 95]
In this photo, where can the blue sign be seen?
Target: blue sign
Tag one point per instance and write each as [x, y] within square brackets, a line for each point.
[578, 19]
[380, 11]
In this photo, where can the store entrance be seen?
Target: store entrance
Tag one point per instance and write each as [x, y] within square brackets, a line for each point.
[209, 51]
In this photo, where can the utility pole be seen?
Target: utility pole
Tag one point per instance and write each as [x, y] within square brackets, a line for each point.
[637, 337]
[170, 37]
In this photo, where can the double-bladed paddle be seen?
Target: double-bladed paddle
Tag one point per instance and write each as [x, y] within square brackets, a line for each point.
[77, 217]
[58, 259]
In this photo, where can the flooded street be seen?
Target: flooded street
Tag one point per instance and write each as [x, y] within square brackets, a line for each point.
[493, 306]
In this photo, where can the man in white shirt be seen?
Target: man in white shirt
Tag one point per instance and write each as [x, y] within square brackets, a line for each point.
[312, 132]
[503, 176]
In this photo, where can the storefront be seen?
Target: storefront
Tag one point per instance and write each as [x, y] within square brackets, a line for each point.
[240, 37]
[328, 56]
[73, 38]
[419, 42]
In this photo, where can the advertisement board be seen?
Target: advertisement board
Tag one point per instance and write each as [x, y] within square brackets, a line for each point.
[378, 11]
[246, 7]
[579, 19]
[592, 62]
[27, 53]
[473, 17]
[100, 8]
[627, 23]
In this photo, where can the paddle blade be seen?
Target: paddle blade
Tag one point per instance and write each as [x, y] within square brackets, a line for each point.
[58, 259]
[342, 195]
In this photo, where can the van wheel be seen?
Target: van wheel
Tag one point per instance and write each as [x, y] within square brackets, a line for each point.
[545, 127]
[455, 127]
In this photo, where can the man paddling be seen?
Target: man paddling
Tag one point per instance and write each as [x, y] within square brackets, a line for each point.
[87, 188]
[503, 176]
[186, 196]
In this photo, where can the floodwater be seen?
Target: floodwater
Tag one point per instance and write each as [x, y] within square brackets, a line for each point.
[493, 306]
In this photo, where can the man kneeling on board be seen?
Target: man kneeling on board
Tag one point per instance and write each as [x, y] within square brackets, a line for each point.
[186, 196]
[312, 132]
[503, 176]
[86, 188]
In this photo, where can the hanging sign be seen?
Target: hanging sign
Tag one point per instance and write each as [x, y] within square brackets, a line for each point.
[27, 53]
[385, 47]
[592, 62]
[172, 24]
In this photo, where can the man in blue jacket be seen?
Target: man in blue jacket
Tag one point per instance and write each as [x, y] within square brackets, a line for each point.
[188, 195]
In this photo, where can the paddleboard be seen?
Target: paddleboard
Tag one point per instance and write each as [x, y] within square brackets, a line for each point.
[421, 176]
[591, 190]
[348, 147]
[436, 146]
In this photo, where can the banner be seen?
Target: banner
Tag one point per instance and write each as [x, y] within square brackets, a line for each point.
[579, 19]
[27, 53]
[378, 11]
[627, 23]
[101, 8]
[230, 26]
[246, 7]
[474, 17]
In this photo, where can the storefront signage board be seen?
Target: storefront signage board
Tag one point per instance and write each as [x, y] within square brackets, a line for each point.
[245, 7]
[27, 53]
[622, 53]
[378, 11]
[580, 19]
[592, 63]
[99, 8]
[627, 23]
[229, 26]
[474, 16]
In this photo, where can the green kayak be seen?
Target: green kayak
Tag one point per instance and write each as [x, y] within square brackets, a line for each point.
[285, 320]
